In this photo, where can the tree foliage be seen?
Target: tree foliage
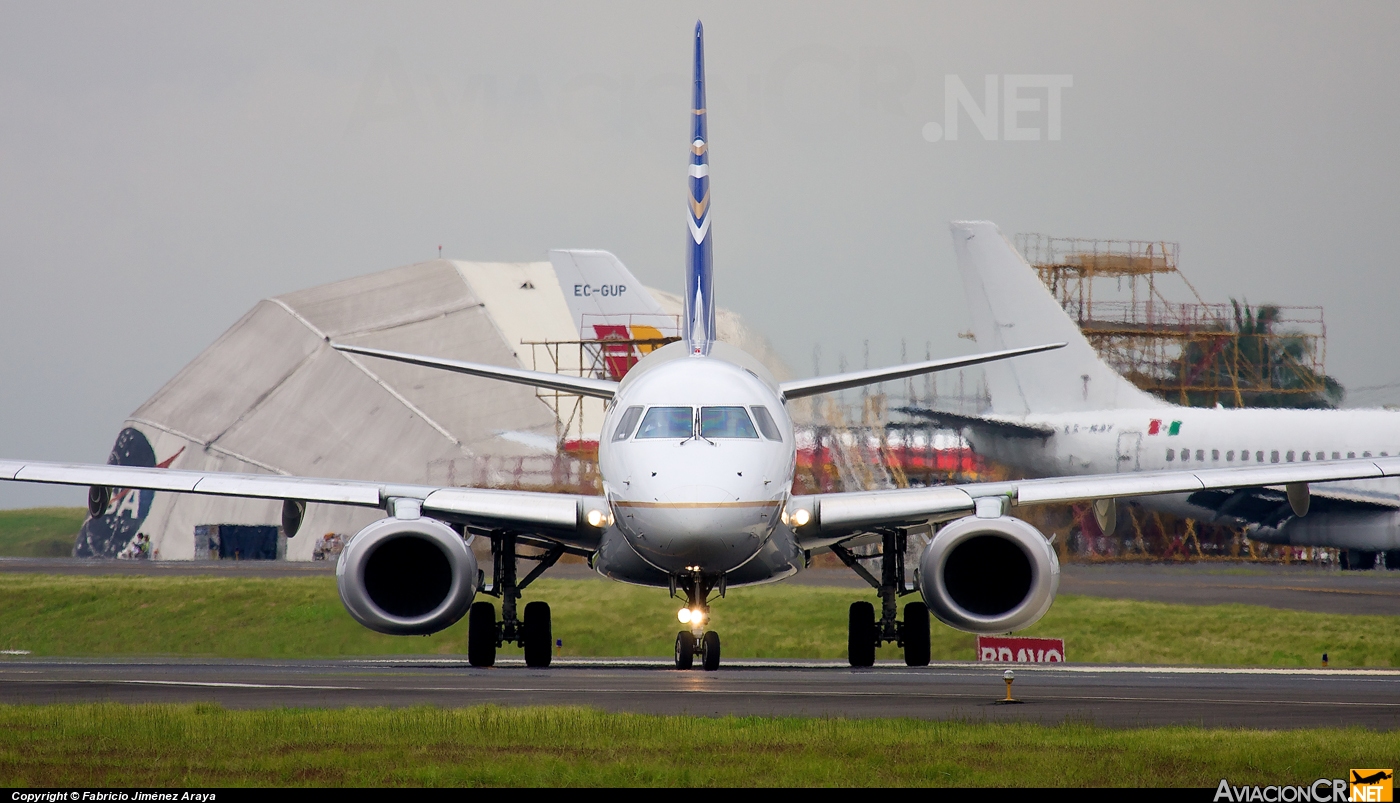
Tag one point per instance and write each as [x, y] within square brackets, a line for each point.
[1252, 364]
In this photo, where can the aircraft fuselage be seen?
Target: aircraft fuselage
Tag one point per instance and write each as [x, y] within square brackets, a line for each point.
[696, 478]
[1167, 438]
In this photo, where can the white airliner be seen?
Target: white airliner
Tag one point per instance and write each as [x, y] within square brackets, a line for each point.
[1070, 413]
[697, 459]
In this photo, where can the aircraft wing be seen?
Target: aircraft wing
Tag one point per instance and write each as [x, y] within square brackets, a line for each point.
[601, 388]
[1269, 507]
[832, 517]
[996, 426]
[854, 379]
[561, 516]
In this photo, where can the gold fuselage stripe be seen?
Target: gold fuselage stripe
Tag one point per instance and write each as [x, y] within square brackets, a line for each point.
[692, 505]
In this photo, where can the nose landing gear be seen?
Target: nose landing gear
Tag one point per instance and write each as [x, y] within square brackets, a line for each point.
[865, 633]
[697, 640]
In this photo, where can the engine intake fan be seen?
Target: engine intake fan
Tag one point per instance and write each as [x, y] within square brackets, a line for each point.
[989, 575]
[407, 577]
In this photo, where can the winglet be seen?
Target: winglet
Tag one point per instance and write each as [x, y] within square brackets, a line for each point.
[699, 321]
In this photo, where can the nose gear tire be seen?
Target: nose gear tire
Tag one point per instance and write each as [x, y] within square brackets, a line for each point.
[481, 634]
[685, 650]
[709, 651]
[861, 635]
[915, 634]
[539, 635]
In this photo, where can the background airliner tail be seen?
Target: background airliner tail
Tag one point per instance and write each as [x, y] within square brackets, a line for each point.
[603, 295]
[699, 323]
[1010, 307]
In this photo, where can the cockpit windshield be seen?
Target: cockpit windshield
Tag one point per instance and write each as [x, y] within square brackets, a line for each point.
[766, 424]
[627, 424]
[726, 422]
[667, 422]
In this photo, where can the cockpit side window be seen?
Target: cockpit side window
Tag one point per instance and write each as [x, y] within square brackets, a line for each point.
[766, 425]
[626, 425]
[726, 422]
[667, 422]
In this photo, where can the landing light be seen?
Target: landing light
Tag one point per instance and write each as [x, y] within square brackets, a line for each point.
[684, 616]
[597, 518]
[800, 517]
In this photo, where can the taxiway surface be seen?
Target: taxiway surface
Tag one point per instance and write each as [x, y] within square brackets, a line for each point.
[1107, 695]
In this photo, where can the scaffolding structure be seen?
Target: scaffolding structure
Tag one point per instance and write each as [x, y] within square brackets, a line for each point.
[608, 357]
[854, 444]
[1191, 353]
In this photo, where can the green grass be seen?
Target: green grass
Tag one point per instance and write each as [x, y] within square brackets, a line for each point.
[40, 532]
[303, 617]
[205, 745]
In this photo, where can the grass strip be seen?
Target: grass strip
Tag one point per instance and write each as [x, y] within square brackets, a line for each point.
[299, 617]
[40, 532]
[107, 745]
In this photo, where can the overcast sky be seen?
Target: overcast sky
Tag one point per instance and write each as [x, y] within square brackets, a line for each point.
[166, 165]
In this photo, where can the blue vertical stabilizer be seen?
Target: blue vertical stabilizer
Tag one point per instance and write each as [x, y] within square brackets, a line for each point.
[699, 322]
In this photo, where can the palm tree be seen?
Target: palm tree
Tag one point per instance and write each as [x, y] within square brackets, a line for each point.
[1253, 365]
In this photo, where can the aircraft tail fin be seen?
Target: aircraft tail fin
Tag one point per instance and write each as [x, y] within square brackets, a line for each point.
[1010, 308]
[699, 323]
[603, 295]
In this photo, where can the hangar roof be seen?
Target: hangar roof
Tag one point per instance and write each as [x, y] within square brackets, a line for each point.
[270, 392]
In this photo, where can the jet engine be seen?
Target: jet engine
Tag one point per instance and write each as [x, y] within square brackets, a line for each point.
[407, 577]
[989, 575]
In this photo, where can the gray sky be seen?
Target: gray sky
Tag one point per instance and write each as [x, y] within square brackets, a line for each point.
[166, 165]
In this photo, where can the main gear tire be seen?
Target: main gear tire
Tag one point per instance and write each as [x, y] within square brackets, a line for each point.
[915, 634]
[539, 635]
[860, 645]
[481, 634]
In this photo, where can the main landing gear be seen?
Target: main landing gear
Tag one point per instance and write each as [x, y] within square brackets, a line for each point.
[697, 640]
[535, 632]
[866, 633]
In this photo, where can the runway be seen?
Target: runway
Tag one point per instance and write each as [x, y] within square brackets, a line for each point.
[1115, 696]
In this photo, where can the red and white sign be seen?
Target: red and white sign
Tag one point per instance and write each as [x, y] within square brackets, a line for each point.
[1012, 650]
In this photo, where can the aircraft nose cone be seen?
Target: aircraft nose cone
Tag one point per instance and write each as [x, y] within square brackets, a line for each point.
[697, 525]
[697, 494]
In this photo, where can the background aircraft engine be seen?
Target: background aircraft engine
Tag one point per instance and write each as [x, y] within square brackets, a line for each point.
[407, 577]
[990, 575]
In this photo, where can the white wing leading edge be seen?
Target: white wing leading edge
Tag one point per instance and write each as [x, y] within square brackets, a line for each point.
[600, 388]
[854, 379]
[564, 517]
[829, 518]
[818, 519]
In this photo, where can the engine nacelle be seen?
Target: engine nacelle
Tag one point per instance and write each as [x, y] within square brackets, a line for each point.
[407, 577]
[990, 575]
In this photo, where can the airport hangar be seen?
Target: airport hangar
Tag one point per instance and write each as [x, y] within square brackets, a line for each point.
[271, 396]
